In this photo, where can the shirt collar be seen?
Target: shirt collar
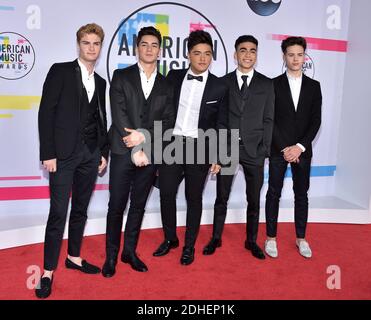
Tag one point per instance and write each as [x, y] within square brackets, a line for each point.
[84, 70]
[204, 74]
[250, 74]
[290, 77]
[141, 70]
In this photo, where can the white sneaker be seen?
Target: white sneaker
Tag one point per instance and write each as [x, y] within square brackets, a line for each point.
[304, 248]
[271, 248]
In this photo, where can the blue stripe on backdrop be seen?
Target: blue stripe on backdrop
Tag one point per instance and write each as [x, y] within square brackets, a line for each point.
[316, 171]
[7, 8]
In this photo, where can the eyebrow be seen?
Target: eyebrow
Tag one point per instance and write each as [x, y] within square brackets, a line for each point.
[198, 51]
[146, 42]
[244, 48]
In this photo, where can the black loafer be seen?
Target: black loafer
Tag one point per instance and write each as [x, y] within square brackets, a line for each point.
[109, 268]
[44, 288]
[188, 256]
[165, 247]
[211, 246]
[85, 267]
[134, 262]
[255, 250]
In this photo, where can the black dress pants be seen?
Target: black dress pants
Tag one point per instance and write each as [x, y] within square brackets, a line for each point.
[300, 176]
[78, 174]
[254, 178]
[125, 179]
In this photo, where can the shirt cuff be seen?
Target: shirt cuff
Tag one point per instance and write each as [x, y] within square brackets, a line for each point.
[301, 147]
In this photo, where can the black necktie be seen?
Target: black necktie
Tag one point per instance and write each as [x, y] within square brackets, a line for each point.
[191, 77]
[244, 87]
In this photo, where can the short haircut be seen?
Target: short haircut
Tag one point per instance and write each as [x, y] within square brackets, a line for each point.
[90, 28]
[149, 31]
[245, 38]
[198, 37]
[292, 41]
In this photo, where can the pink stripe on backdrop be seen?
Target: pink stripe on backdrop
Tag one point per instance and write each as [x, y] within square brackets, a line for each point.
[318, 43]
[20, 178]
[33, 193]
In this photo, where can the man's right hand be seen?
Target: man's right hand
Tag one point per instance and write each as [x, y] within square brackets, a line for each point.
[50, 165]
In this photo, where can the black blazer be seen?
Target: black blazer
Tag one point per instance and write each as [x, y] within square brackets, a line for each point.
[252, 115]
[59, 113]
[214, 103]
[301, 126]
[128, 109]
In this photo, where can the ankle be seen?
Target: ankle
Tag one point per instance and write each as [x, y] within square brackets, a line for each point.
[47, 274]
[76, 260]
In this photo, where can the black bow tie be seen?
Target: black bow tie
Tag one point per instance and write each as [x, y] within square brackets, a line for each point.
[191, 77]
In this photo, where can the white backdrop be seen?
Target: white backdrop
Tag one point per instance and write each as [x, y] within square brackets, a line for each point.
[50, 27]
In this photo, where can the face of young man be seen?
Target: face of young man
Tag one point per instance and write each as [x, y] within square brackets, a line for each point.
[148, 50]
[294, 58]
[245, 56]
[200, 58]
[90, 46]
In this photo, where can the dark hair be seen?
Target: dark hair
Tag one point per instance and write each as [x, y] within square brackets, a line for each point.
[197, 37]
[149, 31]
[292, 41]
[245, 38]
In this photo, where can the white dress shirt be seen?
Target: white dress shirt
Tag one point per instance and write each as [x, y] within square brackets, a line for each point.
[147, 83]
[295, 88]
[87, 80]
[249, 75]
[189, 105]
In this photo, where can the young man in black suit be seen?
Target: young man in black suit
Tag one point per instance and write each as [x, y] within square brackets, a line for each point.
[200, 102]
[296, 123]
[73, 149]
[139, 96]
[251, 109]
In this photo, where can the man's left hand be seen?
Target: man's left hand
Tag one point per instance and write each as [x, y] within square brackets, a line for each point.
[134, 138]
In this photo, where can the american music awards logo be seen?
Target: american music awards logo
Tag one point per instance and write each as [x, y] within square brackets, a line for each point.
[308, 67]
[175, 21]
[17, 56]
[264, 7]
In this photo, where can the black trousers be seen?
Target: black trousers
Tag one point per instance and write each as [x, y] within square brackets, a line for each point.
[78, 174]
[170, 176]
[125, 179]
[300, 177]
[254, 178]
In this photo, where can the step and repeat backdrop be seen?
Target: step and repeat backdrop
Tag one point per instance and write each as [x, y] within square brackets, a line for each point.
[35, 34]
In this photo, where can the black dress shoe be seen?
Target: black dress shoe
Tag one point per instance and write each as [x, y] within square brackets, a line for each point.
[44, 288]
[85, 267]
[188, 256]
[165, 247]
[109, 268]
[211, 246]
[134, 262]
[255, 250]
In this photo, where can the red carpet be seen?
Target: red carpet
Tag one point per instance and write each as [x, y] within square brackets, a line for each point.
[231, 273]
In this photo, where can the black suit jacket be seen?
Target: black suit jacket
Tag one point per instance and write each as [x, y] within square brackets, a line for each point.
[214, 103]
[59, 113]
[253, 114]
[302, 125]
[128, 106]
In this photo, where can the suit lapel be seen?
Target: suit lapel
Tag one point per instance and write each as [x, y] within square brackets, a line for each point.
[178, 88]
[287, 91]
[206, 93]
[97, 91]
[304, 83]
[79, 85]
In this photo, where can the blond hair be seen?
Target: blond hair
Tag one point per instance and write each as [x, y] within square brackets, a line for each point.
[90, 28]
